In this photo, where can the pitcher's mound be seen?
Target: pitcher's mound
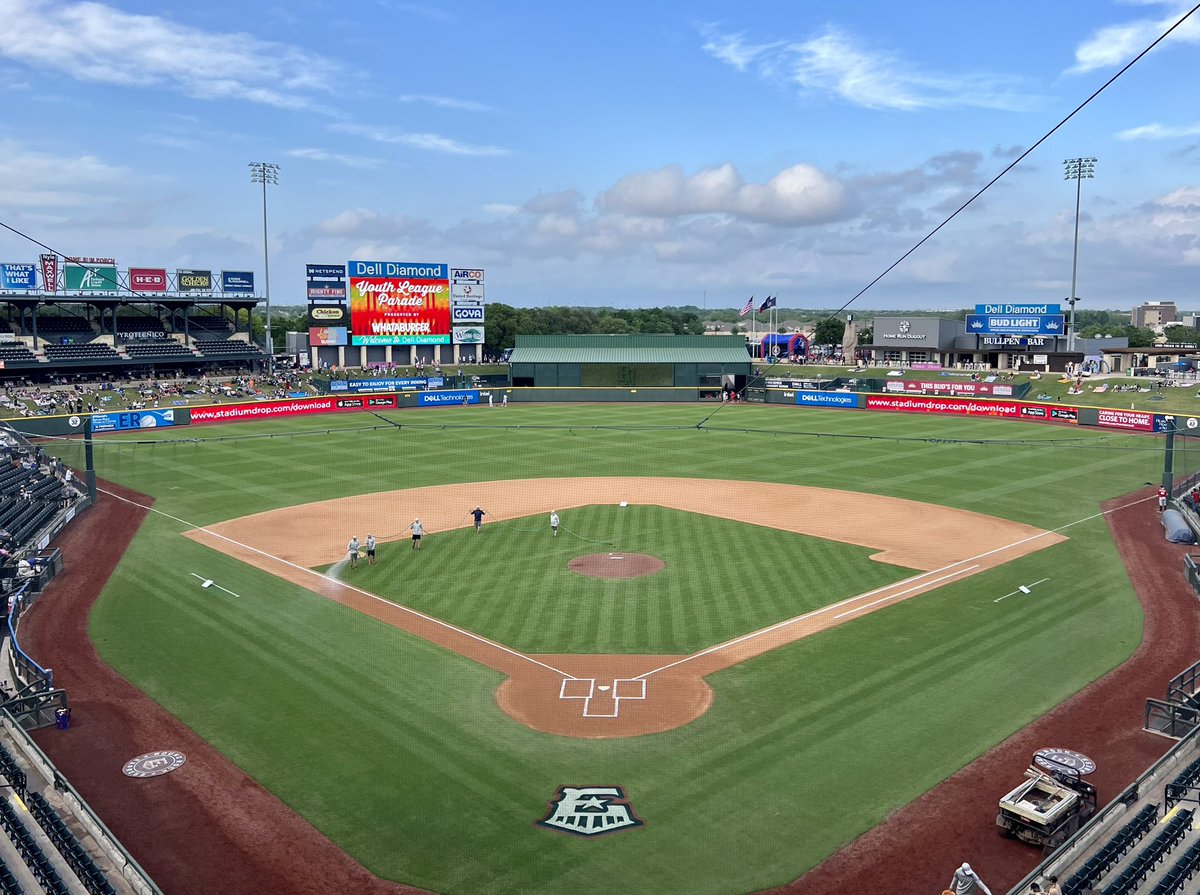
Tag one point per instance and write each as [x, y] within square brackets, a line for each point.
[616, 565]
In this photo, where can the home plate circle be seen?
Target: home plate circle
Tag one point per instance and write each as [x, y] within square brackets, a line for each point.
[154, 764]
[616, 565]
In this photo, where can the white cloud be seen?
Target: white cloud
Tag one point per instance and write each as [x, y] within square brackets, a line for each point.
[94, 42]
[795, 196]
[313, 154]
[1115, 45]
[834, 62]
[430, 142]
[446, 102]
[1159, 132]
[39, 180]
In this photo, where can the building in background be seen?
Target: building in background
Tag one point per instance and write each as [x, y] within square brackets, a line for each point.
[1155, 313]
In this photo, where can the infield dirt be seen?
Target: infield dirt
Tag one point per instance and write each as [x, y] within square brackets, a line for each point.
[603, 696]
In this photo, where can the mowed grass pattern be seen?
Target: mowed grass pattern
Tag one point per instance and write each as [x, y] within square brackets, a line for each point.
[722, 579]
[397, 750]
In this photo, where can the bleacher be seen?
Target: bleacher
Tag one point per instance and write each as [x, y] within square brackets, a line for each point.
[226, 347]
[80, 353]
[158, 348]
[64, 326]
[206, 327]
[68, 846]
[16, 352]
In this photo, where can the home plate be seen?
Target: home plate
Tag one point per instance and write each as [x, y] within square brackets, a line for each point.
[604, 688]
[614, 556]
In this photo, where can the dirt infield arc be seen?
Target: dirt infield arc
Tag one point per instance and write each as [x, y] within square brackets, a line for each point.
[601, 696]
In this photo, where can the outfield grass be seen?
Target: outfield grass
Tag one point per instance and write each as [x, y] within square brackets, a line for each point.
[722, 579]
[396, 749]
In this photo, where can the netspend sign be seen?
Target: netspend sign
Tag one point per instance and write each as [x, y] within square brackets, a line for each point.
[399, 303]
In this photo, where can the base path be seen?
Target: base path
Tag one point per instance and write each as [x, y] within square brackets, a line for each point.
[601, 696]
[918, 847]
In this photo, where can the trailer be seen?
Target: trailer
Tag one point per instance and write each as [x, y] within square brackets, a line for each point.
[1052, 803]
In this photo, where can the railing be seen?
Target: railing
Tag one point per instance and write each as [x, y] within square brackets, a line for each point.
[31, 676]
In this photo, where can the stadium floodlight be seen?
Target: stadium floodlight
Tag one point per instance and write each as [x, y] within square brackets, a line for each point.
[1076, 169]
[264, 173]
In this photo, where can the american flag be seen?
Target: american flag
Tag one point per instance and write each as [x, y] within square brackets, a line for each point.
[747, 307]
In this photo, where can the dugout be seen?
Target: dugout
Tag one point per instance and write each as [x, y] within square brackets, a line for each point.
[708, 363]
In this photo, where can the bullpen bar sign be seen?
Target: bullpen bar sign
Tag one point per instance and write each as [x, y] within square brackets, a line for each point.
[399, 303]
[18, 276]
[190, 280]
[148, 279]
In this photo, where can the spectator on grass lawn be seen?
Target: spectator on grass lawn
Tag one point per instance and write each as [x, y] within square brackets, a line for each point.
[967, 882]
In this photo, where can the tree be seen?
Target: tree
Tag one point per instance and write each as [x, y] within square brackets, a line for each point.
[829, 331]
[1138, 337]
[1178, 334]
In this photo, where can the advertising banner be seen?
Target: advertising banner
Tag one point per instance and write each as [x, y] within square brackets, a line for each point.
[49, 272]
[90, 278]
[261, 410]
[468, 335]
[826, 399]
[460, 314]
[133, 419]
[194, 280]
[948, 387]
[1015, 324]
[454, 396]
[18, 276]
[1004, 308]
[1013, 341]
[399, 303]
[1126, 419]
[466, 275]
[327, 336]
[951, 406]
[325, 271]
[326, 289]
[148, 279]
[237, 282]
[404, 384]
[328, 315]
[466, 290]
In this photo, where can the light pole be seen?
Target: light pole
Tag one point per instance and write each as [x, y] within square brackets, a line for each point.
[264, 173]
[1076, 169]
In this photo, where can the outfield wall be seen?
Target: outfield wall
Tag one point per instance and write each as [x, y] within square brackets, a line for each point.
[825, 398]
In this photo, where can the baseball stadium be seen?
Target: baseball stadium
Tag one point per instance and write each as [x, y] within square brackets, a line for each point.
[767, 647]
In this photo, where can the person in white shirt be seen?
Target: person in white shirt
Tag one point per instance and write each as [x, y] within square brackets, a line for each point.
[417, 531]
[554, 523]
[352, 552]
[370, 550]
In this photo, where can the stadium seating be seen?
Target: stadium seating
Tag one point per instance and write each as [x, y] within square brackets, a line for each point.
[68, 845]
[85, 352]
[1177, 877]
[12, 772]
[8, 882]
[64, 325]
[226, 347]
[1145, 861]
[35, 859]
[1111, 852]
[140, 323]
[166, 348]
[13, 352]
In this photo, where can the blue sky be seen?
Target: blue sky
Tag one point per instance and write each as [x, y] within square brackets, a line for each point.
[620, 153]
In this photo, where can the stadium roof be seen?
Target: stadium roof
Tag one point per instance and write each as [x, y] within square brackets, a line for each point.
[630, 349]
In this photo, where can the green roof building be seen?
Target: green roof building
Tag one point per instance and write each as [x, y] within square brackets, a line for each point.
[631, 361]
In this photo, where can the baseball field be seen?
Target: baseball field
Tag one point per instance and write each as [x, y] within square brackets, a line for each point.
[798, 622]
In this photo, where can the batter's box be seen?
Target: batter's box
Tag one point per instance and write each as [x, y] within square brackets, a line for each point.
[576, 688]
[629, 688]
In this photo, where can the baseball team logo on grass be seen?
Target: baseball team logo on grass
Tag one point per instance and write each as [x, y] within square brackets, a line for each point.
[154, 764]
[590, 811]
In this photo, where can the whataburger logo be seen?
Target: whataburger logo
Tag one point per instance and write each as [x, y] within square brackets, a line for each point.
[590, 811]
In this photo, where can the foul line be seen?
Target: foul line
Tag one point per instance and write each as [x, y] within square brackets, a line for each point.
[208, 582]
[767, 630]
[358, 590]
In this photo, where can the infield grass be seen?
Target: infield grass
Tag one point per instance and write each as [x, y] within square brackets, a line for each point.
[396, 749]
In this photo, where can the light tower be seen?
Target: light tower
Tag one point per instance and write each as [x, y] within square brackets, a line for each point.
[264, 173]
[1076, 169]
